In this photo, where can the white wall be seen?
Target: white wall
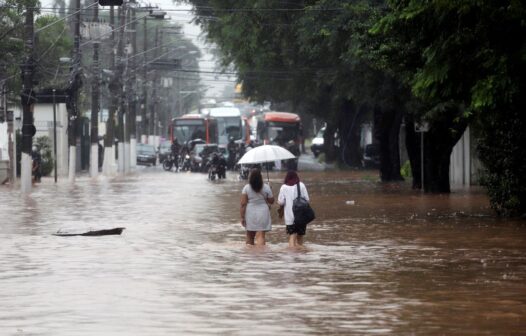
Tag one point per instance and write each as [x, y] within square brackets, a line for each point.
[4, 154]
[464, 166]
[43, 115]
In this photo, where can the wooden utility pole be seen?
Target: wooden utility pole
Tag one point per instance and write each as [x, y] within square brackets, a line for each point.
[28, 100]
[153, 117]
[72, 103]
[120, 90]
[132, 95]
[108, 167]
[144, 121]
[95, 100]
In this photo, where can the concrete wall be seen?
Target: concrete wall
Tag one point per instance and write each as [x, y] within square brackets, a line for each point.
[4, 154]
[464, 169]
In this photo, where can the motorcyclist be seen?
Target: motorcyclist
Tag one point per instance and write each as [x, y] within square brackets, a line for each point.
[218, 164]
[232, 149]
[175, 149]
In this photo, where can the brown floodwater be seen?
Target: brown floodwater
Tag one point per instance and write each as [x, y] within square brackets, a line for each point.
[394, 262]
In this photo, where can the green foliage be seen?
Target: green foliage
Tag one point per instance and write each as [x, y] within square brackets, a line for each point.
[51, 44]
[464, 61]
[11, 43]
[405, 171]
[503, 154]
[44, 145]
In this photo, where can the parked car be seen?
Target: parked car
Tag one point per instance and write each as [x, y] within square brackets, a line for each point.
[146, 155]
[165, 149]
[371, 156]
[317, 143]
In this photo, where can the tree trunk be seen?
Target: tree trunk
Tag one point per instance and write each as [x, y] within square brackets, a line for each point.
[438, 145]
[386, 132]
[328, 143]
[95, 104]
[412, 143]
[108, 165]
[350, 121]
[28, 101]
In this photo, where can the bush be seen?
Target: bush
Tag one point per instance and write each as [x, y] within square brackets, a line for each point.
[405, 171]
[44, 145]
[503, 154]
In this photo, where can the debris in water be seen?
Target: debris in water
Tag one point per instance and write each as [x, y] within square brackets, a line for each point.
[107, 232]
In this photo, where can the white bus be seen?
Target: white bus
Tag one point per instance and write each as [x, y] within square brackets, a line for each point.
[229, 123]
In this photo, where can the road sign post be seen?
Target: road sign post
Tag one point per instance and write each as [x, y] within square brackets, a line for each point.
[421, 128]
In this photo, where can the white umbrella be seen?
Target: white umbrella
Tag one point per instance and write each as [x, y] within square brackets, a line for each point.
[266, 153]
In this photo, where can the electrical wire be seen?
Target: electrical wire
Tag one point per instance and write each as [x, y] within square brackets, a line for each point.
[113, 30]
[193, 9]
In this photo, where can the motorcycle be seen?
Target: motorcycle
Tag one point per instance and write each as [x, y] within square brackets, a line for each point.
[171, 161]
[185, 163]
[217, 167]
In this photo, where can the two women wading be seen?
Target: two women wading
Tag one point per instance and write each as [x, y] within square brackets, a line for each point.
[256, 200]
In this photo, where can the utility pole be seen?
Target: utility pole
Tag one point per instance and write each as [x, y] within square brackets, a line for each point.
[132, 130]
[153, 116]
[95, 101]
[144, 121]
[120, 89]
[72, 99]
[28, 100]
[108, 168]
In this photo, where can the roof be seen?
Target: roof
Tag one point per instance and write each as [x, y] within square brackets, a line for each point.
[282, 117]
[225, 112]
[191, 116]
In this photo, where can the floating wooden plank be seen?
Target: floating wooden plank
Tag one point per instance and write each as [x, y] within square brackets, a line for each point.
[107, 232]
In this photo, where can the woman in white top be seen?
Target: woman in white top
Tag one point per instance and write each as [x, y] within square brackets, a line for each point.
[256, 199]
[287, 194]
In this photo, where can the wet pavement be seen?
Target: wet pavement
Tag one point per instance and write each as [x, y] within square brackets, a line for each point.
[394, 262]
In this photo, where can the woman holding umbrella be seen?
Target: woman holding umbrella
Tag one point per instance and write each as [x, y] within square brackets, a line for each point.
[256, 199]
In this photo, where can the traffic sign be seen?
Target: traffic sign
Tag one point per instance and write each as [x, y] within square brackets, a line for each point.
[110, 2]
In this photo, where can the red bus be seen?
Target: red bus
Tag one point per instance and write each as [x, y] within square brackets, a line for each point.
[280, 128]
[194, 126]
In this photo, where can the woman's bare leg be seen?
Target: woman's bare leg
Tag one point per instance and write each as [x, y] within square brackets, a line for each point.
[250, 237]
[300, 240]
[260, 238]
[293, 240]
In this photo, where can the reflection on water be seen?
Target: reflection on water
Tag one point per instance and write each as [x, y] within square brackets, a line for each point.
[395, 262]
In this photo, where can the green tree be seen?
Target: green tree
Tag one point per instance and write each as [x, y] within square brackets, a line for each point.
[465, 61]
[11, 43]
[51, 43]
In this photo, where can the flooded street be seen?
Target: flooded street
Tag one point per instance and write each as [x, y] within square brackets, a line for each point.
[394, 262]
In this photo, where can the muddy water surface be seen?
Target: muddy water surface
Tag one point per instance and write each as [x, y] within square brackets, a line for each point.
[394, 262]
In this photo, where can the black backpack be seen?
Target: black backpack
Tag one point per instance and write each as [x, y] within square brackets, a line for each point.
[303, 213]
